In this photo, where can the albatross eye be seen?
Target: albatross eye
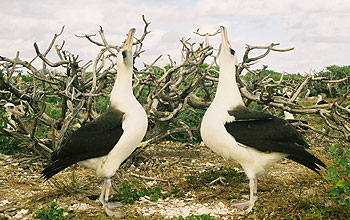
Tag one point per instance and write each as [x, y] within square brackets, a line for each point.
[232, 51]
[124, 54]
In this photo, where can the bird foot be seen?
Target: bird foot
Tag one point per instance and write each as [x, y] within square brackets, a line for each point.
[109, 206]
[114, 205]
[242, 204]
[111, 213]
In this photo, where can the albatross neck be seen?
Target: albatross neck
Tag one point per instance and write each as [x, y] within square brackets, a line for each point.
[122, 89]
[228, 93]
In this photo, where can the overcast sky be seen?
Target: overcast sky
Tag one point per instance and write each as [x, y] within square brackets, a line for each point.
[319, 30]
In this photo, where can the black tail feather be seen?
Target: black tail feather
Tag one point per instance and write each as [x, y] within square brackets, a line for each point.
[54, 168]
[309, 161]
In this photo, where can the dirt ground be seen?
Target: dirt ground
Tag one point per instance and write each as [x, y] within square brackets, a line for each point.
[288, 189]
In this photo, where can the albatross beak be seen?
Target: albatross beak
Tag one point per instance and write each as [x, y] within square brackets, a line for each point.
[17, 112]
[128, 42]
[224, 38]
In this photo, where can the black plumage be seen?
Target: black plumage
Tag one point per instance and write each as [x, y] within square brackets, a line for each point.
[292, 121]
[268, 133]
[322, 102]
[92, 140]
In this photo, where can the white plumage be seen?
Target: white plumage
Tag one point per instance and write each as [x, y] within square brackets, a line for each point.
[256, 140]
[107, 141]
[11, 110]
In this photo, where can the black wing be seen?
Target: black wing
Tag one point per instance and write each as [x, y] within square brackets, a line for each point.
[94, 139]
[268, 133]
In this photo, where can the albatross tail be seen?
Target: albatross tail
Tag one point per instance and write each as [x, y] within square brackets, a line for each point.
[55, 168]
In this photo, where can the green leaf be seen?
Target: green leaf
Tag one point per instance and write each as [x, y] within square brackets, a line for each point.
[340, 183]
[327, 178]
[332, 170]
[154, 197]
[334, 191]
[158, 190]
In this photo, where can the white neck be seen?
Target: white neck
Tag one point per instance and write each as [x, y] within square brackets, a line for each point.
[228, 93]
[122, 89]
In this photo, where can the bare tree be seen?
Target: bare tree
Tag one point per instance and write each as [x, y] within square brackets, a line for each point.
[74, 90]
[165, 92]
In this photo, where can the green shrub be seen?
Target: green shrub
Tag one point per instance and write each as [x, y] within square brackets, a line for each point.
[333, 73]
[53, 213]
[313, 208]
[10, 146]
[53, 110]
[276, 76]
[192, 118]
[129, 193]
[231, 176]
[339, 176]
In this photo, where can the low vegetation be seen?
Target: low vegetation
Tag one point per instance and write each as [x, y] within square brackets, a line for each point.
[53, 213]
[223, 176]
[129, 193]
[339, 176]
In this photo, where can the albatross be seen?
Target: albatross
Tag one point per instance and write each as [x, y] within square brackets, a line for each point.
[320, 100]
[104, 143]
[255, 139]
[12, 111]
[290, 118]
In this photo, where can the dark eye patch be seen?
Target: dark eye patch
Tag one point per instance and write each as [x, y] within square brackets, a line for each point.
[124, 54]
[232, 51]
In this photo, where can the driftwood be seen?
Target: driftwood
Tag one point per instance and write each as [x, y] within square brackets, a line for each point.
[164, 91]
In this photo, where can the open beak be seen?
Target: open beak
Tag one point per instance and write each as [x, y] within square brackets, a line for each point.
[15, 111]
[128, 42]
[224, 38]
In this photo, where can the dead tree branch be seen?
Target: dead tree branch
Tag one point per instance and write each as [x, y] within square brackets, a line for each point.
[64, 92]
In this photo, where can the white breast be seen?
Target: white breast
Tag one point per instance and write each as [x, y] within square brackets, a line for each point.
[134, 129]
[216, 137]
[134, 126]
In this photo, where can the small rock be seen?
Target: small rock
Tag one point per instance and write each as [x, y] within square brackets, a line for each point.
[186, 212]
[203, 210]
[150, 183]
[4, 202]
[80, 206]
[22, 214]
[221, 205]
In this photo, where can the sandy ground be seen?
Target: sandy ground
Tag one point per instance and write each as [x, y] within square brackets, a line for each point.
[167, 165]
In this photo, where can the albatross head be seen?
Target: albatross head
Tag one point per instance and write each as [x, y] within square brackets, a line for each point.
[228, 57]
[122, 92]
[12, 109]
[124, 58]
[227, 94]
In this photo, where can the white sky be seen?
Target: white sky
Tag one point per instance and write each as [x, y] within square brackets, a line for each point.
[318, 29]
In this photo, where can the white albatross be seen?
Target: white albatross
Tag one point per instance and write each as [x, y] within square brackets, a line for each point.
[12, 111]
[104, 143]
[320, 100]
[256, 140]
